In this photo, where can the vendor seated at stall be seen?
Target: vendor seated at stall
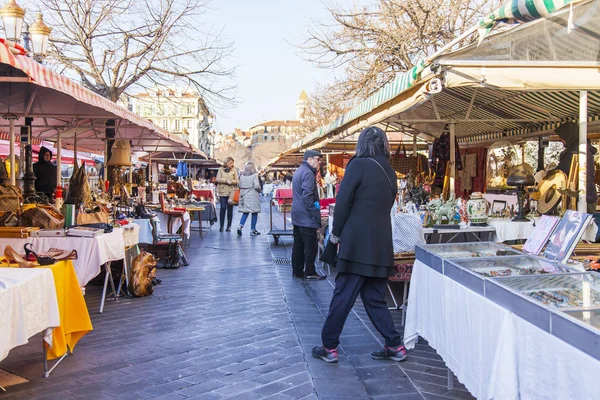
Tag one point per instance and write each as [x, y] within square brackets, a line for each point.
[45, 173]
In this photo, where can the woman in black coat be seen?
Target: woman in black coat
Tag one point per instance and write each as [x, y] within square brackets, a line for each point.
[362, 227]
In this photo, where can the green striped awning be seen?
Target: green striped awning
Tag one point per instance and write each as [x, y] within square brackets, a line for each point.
[514, 11]
[519, 11]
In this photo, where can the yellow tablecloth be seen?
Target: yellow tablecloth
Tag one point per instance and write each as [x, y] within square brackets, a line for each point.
[74, 317]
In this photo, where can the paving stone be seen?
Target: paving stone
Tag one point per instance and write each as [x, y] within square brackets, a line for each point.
[230, 325]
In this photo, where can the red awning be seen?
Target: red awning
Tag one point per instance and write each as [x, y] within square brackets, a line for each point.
[57, 103]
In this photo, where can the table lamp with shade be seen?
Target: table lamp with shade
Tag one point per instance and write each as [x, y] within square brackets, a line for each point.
[120, 157]
[521, 176]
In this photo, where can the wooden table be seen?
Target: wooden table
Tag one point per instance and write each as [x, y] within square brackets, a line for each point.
[193, 210]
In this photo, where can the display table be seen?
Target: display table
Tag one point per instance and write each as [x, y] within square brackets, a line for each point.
[509, 230]
[145, 234]
[284, 195]
[28, 305]
[495, 353]
[92, 252]
[176, 222]
[131, 234]
[469, 234]
[207, 194]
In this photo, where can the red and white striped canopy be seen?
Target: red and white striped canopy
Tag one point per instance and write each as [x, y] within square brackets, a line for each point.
[28, 89]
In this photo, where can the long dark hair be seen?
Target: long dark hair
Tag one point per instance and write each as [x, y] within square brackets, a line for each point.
[372, 142]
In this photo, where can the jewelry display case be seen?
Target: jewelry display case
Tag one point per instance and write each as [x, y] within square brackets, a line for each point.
[434, 255]
[472, 272]
[550, 295]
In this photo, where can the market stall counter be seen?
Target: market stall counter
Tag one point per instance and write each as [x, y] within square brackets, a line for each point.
[93, 252]
[28, 305]
[509, 325]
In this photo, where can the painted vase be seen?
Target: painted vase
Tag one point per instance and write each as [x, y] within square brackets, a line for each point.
[477, 209]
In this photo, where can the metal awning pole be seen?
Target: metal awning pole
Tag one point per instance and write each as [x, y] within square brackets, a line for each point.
[150, 177]
[105, 168]
[583, 116]
[11, 143]
[58, 157]
[452, 156]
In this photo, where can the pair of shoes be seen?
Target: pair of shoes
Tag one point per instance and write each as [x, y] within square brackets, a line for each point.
[390, 353]
[239, 231]
[254, 233]
[325, 354]
[298, 274]
[221, 229]
[40, 259]
[12, 256]
[315, 277]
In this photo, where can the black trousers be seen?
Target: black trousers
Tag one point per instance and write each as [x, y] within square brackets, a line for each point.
[304, 251]
[372, 292]
[225, 207]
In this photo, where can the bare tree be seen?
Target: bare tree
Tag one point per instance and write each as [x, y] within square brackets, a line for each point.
[264, 152]
[371, 44]
[324, 104]
[236, 150]
[113, 45]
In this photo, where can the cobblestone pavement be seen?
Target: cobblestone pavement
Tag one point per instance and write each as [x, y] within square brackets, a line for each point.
[233, 324]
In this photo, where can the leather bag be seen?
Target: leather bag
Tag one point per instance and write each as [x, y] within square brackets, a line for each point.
[403, 163]
[235, 199]
[329, 254]
[92, 213]
[43, 216]
[11, 200]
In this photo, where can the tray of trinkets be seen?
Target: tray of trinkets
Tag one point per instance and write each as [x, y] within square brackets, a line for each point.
[471, 272]
[433, 255]
[535, 297]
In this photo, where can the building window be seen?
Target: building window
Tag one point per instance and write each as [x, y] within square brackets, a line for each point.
[165, 124]
[190, 109]
[161, 109]
[189, 124]
[177, 125]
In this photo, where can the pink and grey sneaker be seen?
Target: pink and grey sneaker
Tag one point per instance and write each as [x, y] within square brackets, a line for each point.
[325, 354]
[390, 353]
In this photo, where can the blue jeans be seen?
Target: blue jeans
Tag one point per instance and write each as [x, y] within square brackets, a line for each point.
[252, 221]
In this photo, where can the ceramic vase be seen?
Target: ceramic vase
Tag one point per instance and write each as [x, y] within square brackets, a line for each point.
[477, 209]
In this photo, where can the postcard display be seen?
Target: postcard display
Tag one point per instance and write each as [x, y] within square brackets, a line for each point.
[547, 294]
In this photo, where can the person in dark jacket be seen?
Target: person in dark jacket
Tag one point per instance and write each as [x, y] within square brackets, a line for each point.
[306, 217]
[362, 228]
[45, 173]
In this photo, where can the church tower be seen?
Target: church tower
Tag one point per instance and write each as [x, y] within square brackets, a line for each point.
[302, 107]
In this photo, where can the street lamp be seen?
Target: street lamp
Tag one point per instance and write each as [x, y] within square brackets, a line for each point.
[40, 34]
[12, 16]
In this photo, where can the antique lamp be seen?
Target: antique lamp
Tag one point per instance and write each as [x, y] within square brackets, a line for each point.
[520, 176]
[120, 157]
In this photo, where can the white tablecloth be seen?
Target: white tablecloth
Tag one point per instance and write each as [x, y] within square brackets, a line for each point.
[145, 230]
[509, 230]
[28, 305]
[176, 222]
[131, 234]
[494, 353]
[92, 252]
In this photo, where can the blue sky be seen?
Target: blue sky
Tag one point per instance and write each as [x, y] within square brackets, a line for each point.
[271, 73]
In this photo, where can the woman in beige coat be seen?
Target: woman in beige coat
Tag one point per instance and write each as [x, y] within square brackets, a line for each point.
[227, 182]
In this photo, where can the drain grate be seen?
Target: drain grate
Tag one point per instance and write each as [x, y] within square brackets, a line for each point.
[282, 261]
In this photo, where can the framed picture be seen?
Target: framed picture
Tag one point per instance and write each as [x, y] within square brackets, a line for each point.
[498, 206]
